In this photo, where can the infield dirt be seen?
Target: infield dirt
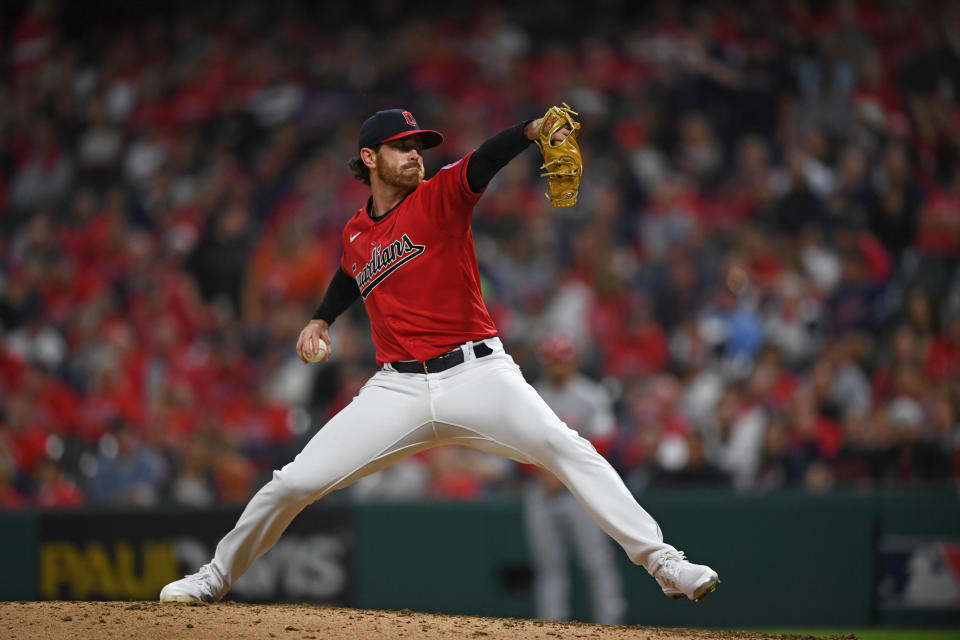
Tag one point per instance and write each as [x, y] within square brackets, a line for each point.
[232, 621]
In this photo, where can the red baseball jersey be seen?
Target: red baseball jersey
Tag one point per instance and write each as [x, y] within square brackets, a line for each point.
[417, 270]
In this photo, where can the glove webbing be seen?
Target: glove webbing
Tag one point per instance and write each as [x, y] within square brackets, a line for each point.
[567, 167]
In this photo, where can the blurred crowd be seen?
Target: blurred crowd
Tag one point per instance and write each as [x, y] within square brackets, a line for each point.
[763, 269]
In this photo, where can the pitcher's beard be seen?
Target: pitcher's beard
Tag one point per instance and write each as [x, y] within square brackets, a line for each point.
[400, 177]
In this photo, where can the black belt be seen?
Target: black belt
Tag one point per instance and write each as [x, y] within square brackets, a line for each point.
[440, 363]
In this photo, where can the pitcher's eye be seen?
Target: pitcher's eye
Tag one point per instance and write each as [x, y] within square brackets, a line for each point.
[406, 145]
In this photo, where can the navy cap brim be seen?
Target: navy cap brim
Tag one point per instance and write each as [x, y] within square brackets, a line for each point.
[428, 137]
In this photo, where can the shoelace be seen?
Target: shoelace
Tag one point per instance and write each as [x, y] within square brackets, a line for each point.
[202, 579]
[670, 567]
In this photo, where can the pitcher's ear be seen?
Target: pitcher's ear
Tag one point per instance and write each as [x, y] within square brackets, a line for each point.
[368, 157]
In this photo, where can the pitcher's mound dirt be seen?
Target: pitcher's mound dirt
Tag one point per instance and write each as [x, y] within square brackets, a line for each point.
[232, 621]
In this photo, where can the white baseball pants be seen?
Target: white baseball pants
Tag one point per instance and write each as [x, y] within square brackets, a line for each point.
[483, 403]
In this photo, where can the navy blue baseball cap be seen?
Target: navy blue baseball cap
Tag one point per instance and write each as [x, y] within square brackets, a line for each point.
[394, 124]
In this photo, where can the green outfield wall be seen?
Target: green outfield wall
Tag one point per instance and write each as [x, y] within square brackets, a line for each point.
[17, 556]
[785, 559]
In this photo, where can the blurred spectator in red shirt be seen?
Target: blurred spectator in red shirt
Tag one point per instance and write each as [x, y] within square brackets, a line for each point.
[34, 38]
[53, 490]
[233, 473]
[939, 228]
[942, 362]
[286, 265]
[459, 473]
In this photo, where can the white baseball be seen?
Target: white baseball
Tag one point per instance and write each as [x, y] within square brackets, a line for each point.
[321, 352]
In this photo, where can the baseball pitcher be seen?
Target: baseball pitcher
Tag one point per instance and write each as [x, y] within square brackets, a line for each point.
[444, 376]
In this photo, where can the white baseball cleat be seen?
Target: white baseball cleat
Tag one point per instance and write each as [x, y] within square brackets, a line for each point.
[679, 577]
[197, 587]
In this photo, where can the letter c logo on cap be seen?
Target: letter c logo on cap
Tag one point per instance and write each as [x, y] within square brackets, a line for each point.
[409, 118]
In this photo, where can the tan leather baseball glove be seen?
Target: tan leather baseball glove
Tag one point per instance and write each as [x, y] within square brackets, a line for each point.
[562, 162]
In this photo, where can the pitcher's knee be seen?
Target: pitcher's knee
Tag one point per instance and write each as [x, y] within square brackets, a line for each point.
[296, 487]
[562, 440]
